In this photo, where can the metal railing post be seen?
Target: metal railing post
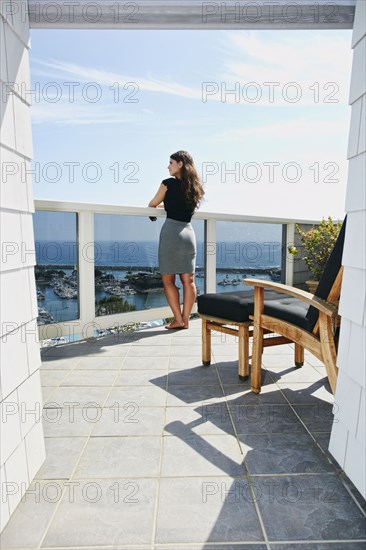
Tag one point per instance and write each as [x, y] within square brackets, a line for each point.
[210, 255]
[86, 271]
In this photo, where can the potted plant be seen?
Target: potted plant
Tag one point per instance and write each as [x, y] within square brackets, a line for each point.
[317, 243]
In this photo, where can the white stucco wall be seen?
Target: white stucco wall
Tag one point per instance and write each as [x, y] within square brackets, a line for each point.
[347, 442]
[22, 442]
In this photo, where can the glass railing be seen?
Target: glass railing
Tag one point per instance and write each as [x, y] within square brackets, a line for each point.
[56, 270]
[126, 270]
[97, 265]
[247, 250]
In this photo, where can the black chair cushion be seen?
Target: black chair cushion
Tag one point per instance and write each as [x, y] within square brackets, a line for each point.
[237, 306]
[288, 309]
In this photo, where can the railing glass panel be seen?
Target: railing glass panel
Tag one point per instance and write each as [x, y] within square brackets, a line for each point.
[247, 250]
[56, 270]
[127, 276]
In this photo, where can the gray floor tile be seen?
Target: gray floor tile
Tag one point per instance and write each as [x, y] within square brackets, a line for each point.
[283, 454]
[187, 341]
[208, 509]
[225, 349]
[66, 363]
[202, 420]
[192, 436]
[311, 507]
[153, 340]
[113, 350]
[154, 363]
[241, 394]
[228, 372]
[80, 396]
[88, 377]
[140, 377]
[184, 350]
[344, 545]
[191, 376]
[130, 420]
[105, 512]
[47, 392]
[29, 521]
[196, 455]
[188, 396]
[69, 421]
[107, 363]
[53, 377]
[265, 419]
[76, 349]
[304, 393]
[289, 374]
[148, 351]
[275, 360]
[186, 362]
[142, 396]
[120, 457]
[62, 454]
[208, 546]
[318, 417]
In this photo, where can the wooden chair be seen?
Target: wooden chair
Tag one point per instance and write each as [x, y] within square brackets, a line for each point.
[310, 321]
[230, 313]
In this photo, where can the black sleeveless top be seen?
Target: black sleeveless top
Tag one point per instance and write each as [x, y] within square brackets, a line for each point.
[174, 203]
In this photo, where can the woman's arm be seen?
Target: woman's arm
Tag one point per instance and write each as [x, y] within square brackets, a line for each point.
[159, 196]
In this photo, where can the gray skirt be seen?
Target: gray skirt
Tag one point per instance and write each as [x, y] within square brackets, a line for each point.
[177, 247]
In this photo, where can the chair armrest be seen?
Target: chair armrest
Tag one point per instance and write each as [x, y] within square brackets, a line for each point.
[328, 308]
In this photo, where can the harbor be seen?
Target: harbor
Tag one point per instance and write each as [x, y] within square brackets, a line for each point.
[124, 288]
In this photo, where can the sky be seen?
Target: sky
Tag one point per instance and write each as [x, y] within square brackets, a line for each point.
[112, 106]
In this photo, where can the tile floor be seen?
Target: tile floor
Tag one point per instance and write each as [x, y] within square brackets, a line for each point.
[147, 449]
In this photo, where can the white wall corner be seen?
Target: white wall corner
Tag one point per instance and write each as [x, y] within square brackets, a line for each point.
[356, 187]
[17, 473]
[358, 78]
[361, 428]
[354, 131]
[35, 448]
[352, 301]
[4, 504]
[347, 402]
[9, 426]
[338, 442]
[30, 402]
[359, 27]
[354, 254]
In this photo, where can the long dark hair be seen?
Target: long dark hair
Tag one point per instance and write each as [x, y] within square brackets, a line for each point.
[192, 189]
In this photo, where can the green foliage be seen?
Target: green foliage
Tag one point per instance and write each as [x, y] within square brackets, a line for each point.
[113, 304]
[318, 242]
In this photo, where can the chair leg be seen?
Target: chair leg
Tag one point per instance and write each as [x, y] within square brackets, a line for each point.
[299, 355]
[243, 352]
[206, 343]
[256, 374]
[328, 349]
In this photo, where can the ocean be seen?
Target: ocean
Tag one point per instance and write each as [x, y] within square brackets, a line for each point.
[234, 260]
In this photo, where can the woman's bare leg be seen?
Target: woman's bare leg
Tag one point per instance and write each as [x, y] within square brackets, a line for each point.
[172, 295]
[189, 295]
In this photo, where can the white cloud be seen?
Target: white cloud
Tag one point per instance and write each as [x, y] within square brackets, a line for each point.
[300, 127]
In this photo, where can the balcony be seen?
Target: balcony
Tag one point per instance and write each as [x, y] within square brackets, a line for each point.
[148, 449]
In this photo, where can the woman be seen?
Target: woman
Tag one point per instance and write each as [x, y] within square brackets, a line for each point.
[181, 194]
